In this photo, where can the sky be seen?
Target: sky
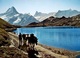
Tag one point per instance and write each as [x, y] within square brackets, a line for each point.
[45, 6]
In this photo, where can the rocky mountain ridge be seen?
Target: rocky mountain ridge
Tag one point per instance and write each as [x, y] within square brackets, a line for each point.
[63, 21]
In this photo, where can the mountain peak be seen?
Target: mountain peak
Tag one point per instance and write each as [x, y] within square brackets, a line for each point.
[39, 14]
[67, 13]
[12, 10]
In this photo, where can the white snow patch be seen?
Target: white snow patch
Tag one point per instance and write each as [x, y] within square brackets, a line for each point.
[16, 15]
[17, 21]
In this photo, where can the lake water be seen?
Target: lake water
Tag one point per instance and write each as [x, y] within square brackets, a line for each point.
[60, 37]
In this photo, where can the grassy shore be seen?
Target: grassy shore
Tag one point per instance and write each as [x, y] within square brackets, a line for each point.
[71, 54]
[49, 52]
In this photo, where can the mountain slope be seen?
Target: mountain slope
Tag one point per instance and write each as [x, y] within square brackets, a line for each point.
[4, 37]
[15, 18]
[4, 24]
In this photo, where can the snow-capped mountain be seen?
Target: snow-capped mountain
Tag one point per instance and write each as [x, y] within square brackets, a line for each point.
[67, 13]
[15, 18]
[42, 16]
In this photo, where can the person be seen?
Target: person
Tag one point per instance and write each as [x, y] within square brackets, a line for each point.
[20, 40]
[24, 38]
[32, 41]
[24, 47]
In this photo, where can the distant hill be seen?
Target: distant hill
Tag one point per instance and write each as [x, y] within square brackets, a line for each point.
[63, 21]
[15, 18]
[76, 17]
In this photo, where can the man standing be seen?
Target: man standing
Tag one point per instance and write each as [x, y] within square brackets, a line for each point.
[32, 41]
[24, 38]
[20, 40]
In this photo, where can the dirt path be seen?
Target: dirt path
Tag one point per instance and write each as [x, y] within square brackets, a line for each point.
[14, 38]
[46, 51]
[38, 47]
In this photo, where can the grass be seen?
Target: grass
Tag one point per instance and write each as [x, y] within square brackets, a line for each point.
[4, 38]
[11, 52]
[4, 24]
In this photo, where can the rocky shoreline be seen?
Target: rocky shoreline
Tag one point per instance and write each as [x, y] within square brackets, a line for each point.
[10, 29]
